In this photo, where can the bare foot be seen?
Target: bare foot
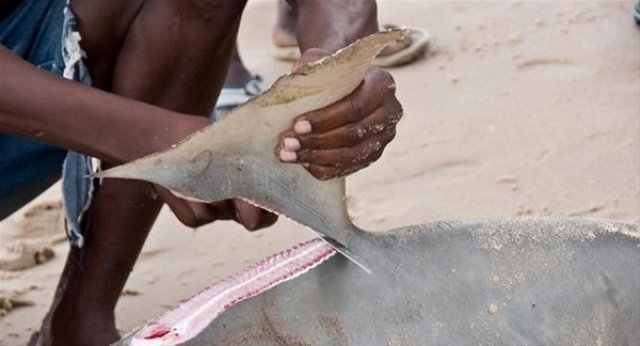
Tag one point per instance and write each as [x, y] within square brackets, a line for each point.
[284, 37]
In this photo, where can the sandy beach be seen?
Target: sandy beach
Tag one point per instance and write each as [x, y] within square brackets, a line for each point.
[525, 109]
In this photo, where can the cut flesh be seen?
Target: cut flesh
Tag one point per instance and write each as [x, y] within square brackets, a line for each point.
[193, 315]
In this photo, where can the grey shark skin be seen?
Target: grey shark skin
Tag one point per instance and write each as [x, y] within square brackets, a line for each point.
[494, 282]
[548, 282]
[490, 282]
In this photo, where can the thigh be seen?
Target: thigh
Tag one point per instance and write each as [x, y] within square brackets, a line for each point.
[176, 53]
[170, 53]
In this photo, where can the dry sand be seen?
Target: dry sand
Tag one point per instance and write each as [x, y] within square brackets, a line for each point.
[520, 108]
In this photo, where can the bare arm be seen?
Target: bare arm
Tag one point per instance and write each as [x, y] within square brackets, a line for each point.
[39, 105]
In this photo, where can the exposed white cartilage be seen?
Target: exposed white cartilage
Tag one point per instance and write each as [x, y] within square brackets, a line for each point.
[193, 315]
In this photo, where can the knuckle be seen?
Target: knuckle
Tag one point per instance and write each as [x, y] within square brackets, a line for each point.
[357, 108]
[319, 172]
[346, 156]
[376, 156]
[308, 141]
[388, 83]
[376, 74]
[354, 133]
[377, 128]
[395, 114]
[383, 80]
[389, 134]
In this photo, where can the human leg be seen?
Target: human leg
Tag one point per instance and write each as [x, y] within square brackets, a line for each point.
[239, 86]
[399, 53]
[174, 54]
[284, 33]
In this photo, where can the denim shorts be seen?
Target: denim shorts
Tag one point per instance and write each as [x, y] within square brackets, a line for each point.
[44, 33]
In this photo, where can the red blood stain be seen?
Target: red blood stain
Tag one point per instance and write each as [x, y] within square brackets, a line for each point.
[158, 334]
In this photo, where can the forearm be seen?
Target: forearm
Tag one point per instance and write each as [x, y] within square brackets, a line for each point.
[38, 105]
[333, 24]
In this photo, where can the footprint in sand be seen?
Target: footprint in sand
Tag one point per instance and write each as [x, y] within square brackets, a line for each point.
[30, 243]
[24, 255]
[44, 221]
[11, 300]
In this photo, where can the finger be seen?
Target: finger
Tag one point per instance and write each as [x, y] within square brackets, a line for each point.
[350, 135]
[178, 206]
[350, 109]
[330, 172]
[224, 210]
[191, 214]
[267, 219]
[252, 217]
[348, 156]
[287, 146]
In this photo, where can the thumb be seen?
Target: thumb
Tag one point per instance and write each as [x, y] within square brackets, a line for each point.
[309, 56]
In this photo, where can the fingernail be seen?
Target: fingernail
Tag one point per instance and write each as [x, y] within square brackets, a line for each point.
[302, 127]
[287, 156]
[291, 144]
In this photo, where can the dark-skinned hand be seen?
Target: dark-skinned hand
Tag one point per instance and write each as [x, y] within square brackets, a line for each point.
[196, 214]
[348, 135]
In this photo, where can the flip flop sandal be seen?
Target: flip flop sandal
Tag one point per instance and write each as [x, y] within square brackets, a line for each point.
[419, 43]
[231, 97]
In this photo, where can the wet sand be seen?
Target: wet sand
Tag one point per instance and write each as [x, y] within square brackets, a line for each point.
[519, 108]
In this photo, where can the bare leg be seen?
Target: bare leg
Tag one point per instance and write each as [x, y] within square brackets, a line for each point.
[237, 75]
[85, 315]
[284, 33]
[174, 54]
